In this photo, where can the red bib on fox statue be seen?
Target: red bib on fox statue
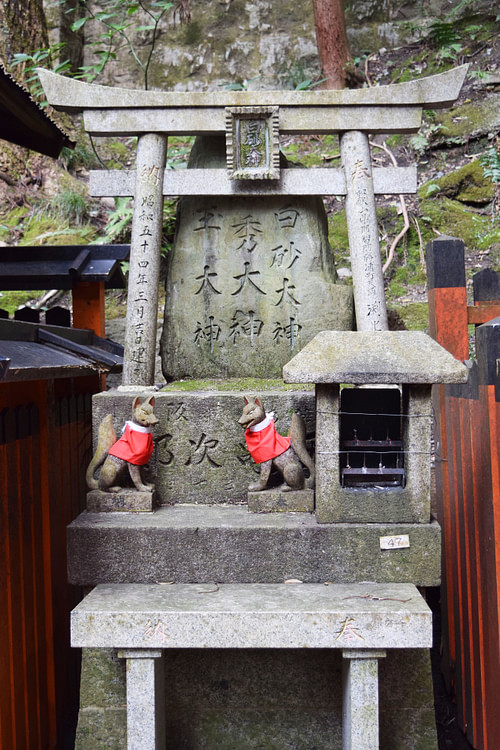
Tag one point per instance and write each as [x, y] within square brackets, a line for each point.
[264, 443]
[135, 445]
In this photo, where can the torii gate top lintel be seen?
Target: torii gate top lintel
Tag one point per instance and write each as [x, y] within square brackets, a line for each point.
[70, 95]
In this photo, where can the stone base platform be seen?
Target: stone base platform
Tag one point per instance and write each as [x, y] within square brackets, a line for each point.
[127, 499]
[275, 500]
[146, 622]
[187, 543]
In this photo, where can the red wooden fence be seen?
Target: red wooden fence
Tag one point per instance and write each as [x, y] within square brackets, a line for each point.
[45, 443]
[467, 421]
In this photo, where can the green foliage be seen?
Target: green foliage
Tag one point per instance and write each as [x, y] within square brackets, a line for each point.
[119, 223]
[71, 206]
[40, 58]
[443, 34]
[80, 156]
[116, 22]
[296, 78]
[13, 300]
[490, 162]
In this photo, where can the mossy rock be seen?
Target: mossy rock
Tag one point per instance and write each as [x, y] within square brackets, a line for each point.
[467, 185]
[414, 315]
[453, 218]
[469, 121]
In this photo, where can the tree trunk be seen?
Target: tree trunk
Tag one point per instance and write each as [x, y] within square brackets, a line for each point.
[331, 38]
[23, 27]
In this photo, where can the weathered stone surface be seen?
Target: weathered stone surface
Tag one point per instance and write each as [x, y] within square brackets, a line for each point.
[249, 698]
[145, 699]
[228, 544]
[355, 618]
[277, 501]
[378, 504]
[364, 248]
[200, 452]
[71, 95]
[293, 120]
[101, 729]
[374, 357]
[145, 253]
[249, 283]
[352, 616]
[317, 181]
[125, 500]
[103, 679]
[360, 708]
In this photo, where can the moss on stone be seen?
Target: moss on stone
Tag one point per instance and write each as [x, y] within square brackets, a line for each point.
[467, 185]
[470, 120]
[338, 236]
[452, 218]
[414, 315]
[246, 385]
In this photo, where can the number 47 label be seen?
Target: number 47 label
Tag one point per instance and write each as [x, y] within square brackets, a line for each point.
[395, 542]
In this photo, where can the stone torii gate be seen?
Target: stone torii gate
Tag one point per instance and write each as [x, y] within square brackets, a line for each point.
[252, 122]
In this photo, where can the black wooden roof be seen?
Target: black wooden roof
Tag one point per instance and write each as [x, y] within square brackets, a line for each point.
[59, 267]
[23, 122]
[30, 351]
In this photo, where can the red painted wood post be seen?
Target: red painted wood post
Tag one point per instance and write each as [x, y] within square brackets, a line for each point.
[447, 295]
[488, 354]
[89, 311]
[447, 298]
[88, 306]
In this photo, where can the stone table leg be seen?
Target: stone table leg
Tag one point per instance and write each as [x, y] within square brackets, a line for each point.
[144, 271]
[360, 699]
[145, 704]
[367, 277]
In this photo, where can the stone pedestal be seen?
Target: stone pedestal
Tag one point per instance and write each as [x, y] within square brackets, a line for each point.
[278, 501]
[127, 499]
[200, 452]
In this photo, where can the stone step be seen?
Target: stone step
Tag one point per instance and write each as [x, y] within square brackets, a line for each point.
[361, 619]
[228, 544]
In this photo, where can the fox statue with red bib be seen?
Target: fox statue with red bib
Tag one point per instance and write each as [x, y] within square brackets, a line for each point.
[133, 449]
[268, 448]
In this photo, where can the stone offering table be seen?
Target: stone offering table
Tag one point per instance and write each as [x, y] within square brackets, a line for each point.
[362, 620]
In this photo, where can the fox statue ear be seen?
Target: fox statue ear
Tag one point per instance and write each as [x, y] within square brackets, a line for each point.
[136, 402]
[258, 402]
[245, 400]
[150, 400]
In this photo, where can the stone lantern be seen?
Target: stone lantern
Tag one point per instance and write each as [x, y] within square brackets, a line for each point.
[373, 421]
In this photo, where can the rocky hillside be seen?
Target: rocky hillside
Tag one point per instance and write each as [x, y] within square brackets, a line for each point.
[457, 150]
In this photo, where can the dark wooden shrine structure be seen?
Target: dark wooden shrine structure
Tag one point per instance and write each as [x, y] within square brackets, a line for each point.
[48, 374]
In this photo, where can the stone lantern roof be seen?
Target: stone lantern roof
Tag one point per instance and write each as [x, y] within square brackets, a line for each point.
[363, 357]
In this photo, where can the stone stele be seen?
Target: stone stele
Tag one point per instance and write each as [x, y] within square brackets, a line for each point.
[250, 282]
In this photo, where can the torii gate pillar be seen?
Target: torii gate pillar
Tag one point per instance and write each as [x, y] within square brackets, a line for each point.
[368, 281]
[145, 255]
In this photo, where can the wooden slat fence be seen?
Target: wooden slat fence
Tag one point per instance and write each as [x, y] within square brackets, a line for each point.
[45, 443]
[467, 419]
